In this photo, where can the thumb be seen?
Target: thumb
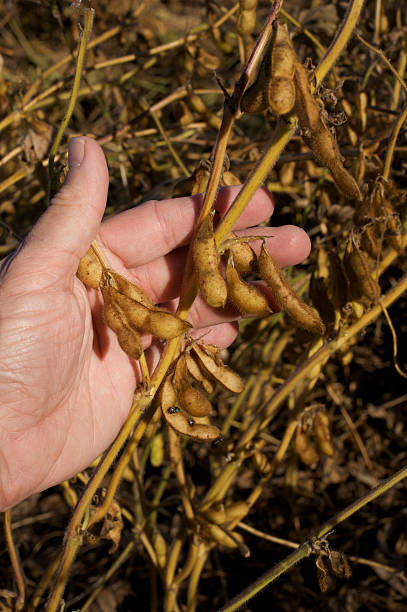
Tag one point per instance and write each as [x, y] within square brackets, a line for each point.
[64, 232]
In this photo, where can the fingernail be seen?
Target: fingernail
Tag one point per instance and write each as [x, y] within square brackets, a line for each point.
[76, 152]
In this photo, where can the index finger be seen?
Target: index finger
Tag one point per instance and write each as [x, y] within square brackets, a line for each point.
[156, 228]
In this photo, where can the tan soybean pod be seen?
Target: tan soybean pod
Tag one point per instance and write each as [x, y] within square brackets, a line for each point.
[227, 377]
[179, 421]
[197, 374]
[193, 401]
[285, 296]
[280, 84]
[237, 511]
[244, 296]
[363, 287]
[182, 425]
[254, 99]
[167, 395]
[157, 322]
[128, 288]
[157, 450]
[304, 448]
[90, 269]
[322, 433]
[317, 135]
[211, 283]
[244, 258]
[214, 532]
[128, 338]
[246, 19]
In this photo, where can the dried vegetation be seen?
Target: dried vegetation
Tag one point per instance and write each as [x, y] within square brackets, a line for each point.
[209, 489]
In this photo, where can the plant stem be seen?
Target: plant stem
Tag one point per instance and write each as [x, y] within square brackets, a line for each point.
[282, 135]
[306, 548]
[15, 562]
[90, 12]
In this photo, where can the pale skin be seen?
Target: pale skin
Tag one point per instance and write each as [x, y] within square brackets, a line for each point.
[65, 384]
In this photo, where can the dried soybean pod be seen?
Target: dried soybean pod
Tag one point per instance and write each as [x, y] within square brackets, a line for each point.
[280, 83]
[254, 99]
[193, 401]
[317, 135]
[132, 291]
[237, 511]
[196, 431]
[229, 179]
[245, 297]
[322, 433]
[197, 374]
[128, 338]
[222, 537]
[288, 300]
[304, 448]
[157, 450]
[157, 322]
[179, 421]
[160, 547]
[244, 258]
[246, 19]
[206, 261]
[90, 269]
[217, 516]
[363, 287]
[167, 395]
[227, 377]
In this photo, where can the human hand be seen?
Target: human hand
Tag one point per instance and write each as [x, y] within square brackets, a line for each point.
[66, 385]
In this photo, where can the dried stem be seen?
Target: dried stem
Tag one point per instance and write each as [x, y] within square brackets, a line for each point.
[15, 562]
[306, 548]
[89, 15]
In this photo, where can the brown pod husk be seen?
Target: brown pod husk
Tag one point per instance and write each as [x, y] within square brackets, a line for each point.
[246, 19]
[244, 296]
[157, 322]
[192, 401]
[90, 269]
[213, 532]
[128, 338]
[254, 99]
[128, 288]
[363, 287]
[197, 431]
[237, 511]
[280, 85]
[221, 373]
[304, 448]
[322, 433]
[317, 135]
[160, 547]
[197, 374]
[302, 314]
[176, 418]
[157, 450]
[217, 516]
[244, 258]
[211, 283]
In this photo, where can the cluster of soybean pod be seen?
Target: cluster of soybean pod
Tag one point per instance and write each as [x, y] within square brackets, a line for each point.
[281, 85]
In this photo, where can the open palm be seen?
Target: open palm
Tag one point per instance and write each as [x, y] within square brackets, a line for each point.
[66, 385]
